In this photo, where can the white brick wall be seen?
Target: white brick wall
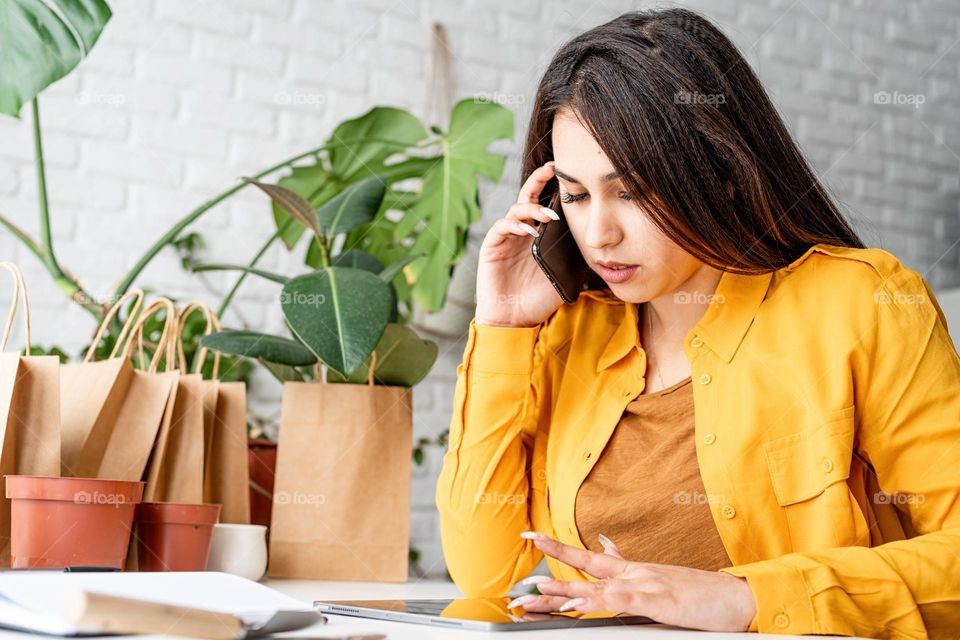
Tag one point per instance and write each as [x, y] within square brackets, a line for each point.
[180, 98]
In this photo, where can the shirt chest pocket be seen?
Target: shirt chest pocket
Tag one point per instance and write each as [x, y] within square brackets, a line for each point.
[805, 464]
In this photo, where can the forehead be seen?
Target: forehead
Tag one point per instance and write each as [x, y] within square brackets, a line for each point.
[575, 150]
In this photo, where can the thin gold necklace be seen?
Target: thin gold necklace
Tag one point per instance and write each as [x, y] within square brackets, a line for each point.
[650, 333]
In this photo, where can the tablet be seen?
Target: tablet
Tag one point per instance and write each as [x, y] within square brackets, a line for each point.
[482, 614]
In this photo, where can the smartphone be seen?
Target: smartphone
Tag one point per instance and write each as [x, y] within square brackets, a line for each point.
[557, 252]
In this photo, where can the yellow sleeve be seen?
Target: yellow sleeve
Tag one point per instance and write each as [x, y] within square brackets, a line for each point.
[907, 384]
[483, 488]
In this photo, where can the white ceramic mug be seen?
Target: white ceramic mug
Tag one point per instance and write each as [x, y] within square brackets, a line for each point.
[240, 549]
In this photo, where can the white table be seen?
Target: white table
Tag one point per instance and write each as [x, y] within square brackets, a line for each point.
[339, 626]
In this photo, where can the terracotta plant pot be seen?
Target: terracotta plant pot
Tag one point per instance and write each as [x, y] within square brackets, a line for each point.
[263, 466]
[70, 522]
[174, 537]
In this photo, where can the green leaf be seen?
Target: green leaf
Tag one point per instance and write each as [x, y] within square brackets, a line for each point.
[359, 148]
[354, 206]
[282, 372]
[260, 345]
[448, 204]
[41, 42]
[338, 312]
[403, 359]
[276, 277]
[356, 259]
[391, 272]
[315, 185]
[292, 203]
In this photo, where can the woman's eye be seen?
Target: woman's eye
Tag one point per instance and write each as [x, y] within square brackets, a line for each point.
[567, 198]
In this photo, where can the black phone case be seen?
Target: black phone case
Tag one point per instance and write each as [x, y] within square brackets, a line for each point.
[557, 252]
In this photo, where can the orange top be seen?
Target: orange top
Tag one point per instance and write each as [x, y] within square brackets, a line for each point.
[645, 491]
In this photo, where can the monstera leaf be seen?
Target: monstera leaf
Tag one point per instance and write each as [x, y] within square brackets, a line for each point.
[449, 205]
[42, 41]
[357, 149]
[403, 359]
[338, 312]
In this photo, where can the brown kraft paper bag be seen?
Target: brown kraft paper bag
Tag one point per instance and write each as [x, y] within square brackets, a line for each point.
[29, 409]
[341, 499]
[175, 471]
[226, 473]
[110, 412]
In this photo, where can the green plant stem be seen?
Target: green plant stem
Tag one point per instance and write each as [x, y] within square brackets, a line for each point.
[46, 238]
[187, 220]
[256, 258]
[43, 250]
[191, 217]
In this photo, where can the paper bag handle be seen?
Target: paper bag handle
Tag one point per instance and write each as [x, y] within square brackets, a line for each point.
[164, 344]
[19, 291]
[137, 296]
[213, 324]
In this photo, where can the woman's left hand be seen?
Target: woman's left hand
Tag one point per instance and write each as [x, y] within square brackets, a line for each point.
[681, 596]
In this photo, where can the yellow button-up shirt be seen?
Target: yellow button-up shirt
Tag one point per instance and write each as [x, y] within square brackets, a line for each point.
[827, 421]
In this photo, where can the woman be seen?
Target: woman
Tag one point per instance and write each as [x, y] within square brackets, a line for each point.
[816, 490]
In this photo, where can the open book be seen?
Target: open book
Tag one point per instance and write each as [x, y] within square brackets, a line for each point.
[82, 603]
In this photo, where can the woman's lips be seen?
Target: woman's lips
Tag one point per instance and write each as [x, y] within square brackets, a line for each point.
[617, 276]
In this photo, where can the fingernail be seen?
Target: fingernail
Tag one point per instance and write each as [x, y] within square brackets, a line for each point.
[528, 229]
[533, 535]
[571, 604]
[534, 580]
[522, 600]
[549, 163]
[606, 542]
[549, 212]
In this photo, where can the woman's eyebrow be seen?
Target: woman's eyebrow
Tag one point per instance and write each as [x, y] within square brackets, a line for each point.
[613, 175]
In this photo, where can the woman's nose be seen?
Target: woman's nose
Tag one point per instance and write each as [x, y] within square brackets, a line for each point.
[602, 229]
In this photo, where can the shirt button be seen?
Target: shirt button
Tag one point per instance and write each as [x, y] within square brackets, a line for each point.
[728, 511]
[696, 342]
[709, 438]
[705, 378]
[827, 465]
[781, 620]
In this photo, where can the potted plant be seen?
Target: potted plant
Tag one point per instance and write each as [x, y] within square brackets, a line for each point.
[342, 317]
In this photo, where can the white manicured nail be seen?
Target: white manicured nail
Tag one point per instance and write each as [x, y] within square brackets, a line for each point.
[533, 535]
[528, 229]
[549, 212]
[529, 580]
[606, 543]
[571, 604]
[522, 600]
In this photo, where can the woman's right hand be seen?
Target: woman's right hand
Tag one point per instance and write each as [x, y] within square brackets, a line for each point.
[512, 291]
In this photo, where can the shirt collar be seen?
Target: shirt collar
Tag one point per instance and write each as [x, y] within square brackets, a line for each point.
[722, 327]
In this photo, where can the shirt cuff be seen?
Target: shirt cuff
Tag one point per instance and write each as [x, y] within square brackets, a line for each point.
[500, 349]
[783, 601]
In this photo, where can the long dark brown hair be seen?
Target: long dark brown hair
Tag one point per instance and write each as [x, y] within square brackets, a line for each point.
[697, 141]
